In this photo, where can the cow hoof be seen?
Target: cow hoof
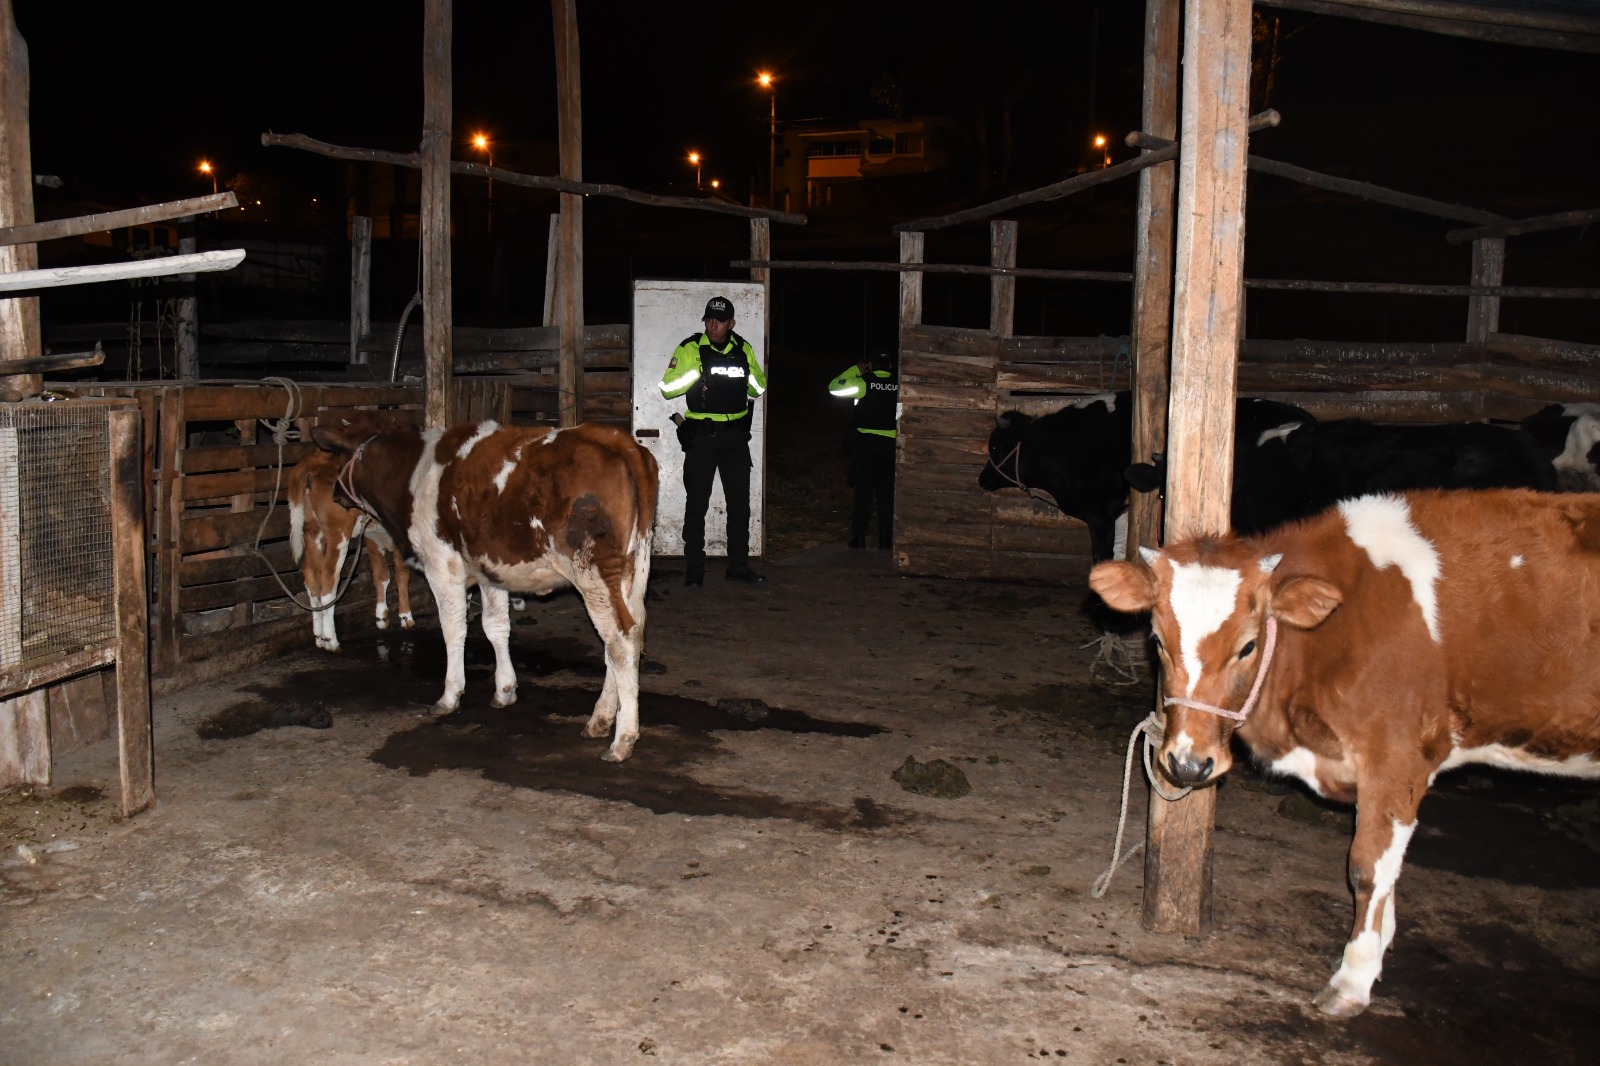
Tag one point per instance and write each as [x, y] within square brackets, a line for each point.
[442, 707]
[597, 729]
[406, 621]
[504, 699]
[383, 623]
[1338, 1003]
[618, 752]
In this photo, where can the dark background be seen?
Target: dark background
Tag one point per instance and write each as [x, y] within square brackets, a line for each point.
[126, 99]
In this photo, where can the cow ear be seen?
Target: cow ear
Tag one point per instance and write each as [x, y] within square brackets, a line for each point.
[328, 439]
[1003, 419]
[1124, 586]
[1305, 602]
[1142, 477]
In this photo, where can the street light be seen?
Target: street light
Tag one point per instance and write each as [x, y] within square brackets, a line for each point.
[1105, 152]
[205, 168]
[694, 157]
[482, 143]
[766, 81]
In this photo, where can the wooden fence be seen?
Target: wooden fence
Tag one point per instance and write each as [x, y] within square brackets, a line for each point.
[953, 382]
[217, 518]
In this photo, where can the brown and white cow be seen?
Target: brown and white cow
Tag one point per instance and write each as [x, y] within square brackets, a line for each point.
[527, 510]
[320, 531]
[1370, 647]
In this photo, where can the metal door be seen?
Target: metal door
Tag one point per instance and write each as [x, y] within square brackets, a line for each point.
[664, 313]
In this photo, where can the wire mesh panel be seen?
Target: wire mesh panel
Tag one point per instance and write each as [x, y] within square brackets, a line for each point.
[56, 579]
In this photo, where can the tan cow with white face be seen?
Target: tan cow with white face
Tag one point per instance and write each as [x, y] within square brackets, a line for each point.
[320, 532]
[518, 510]
[1370, 647]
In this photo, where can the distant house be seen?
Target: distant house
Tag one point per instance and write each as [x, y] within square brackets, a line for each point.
[820, 159]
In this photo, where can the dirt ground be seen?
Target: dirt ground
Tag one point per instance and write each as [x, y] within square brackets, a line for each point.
[753, 886]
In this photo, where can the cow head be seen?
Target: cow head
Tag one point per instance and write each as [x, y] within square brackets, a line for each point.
[1215, 605]
[1004, 468]
[345, 431]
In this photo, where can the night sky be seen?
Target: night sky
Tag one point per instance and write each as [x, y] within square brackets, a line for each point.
[127, 98]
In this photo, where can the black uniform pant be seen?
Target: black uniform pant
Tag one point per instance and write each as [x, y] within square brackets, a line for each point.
[872, 476]
[718, 449]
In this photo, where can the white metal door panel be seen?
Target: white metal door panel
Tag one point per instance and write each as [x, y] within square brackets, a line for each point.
[664, 313]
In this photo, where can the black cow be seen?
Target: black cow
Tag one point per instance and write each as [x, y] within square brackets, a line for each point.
[1568, 436]
[1080, 456]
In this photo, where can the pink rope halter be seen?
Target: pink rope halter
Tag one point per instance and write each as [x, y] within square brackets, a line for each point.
[347, 479]
[1255, 689]
[1014, 457]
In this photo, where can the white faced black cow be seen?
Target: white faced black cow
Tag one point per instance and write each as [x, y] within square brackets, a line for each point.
[526, 510]
[1370, 647]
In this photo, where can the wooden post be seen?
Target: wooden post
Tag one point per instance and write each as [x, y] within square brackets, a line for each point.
[761, 252]
[1002, 289]
[136, 755]
[437, 319]
[20, 335]
[169, 541]
[360, 286]
[569, 295]
[912, 246]
[1205, 356]
[1152, 266]
[188, 309]
[1488, 268]
[552, 268]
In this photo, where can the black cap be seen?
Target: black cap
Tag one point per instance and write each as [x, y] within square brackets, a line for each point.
[719, 308]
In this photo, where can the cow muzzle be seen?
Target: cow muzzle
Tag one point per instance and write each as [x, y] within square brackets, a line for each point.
[1189, 771]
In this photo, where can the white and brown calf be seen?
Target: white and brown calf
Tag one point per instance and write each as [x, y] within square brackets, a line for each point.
[518, 510]
[1368, 648]
[320, 532]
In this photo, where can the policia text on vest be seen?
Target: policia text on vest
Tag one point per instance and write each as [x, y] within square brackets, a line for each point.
[717, 374]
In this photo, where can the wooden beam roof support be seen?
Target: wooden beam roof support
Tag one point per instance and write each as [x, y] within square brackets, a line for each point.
[1206, 328]
[569, 288]
[20, 333]
[1152, 266]
[437, 317]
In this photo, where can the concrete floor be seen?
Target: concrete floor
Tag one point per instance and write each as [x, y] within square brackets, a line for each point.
[752, 886]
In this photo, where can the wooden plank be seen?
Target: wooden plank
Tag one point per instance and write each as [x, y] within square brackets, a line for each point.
[1536, 351]
[213, 459]
[226, 530]
[19, 679]
[360, 286]
[912, 250]
[937, 477]
[946, 422]
[1062, 349]
[952, 340]
[241, 591]
[206, 571]
[1087, 377]
[933, 368]
[1071, 542]
[135, 747]
[109, 220]
[25, 740]
[941, 534]
[169, 626]
[955, 397]
[1281, 377]
[1366, 353]
[1538, 384]
[1388, 406]
[1488, 269]
[199, 487]
[914, 451]
[160, 267]
[79, 713]
[1013, 508]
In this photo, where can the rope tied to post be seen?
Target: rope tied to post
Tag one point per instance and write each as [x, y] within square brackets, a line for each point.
[1153, 733]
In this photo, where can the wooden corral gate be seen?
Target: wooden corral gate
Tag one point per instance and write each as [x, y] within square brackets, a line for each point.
[212, 465]
[955, 381]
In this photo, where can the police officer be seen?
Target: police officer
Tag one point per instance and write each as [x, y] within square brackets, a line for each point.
[875, 388]
[717, 374]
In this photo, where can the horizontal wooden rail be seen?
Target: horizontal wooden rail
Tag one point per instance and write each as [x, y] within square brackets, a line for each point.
[531, 181]
[34, 232]
[161, 267]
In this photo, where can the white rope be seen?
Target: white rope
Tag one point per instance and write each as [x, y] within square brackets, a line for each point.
[1151, 730]
[1118, 660]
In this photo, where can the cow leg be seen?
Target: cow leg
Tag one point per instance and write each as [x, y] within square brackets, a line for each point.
[624, 638]
[450, 595]
[328, 636]
[1383, 829]
[380, 581]
[402, 591]
[497, 627]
